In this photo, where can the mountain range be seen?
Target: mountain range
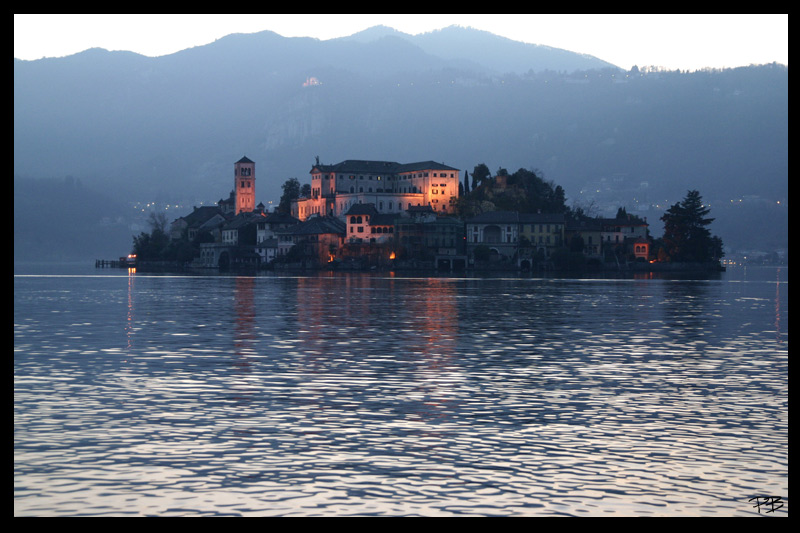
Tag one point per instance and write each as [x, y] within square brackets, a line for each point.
[133, 129]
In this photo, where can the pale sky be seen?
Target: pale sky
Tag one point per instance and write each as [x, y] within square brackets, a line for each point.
[685, 42]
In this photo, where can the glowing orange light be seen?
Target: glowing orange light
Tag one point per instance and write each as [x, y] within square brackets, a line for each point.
[391, 256]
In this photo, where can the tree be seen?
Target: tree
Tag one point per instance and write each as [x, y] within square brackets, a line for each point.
[291, 192]
[466, 182]
[576, 244]
[305, 190]
[157, 221]
[686, 235]
[152, 246]
[479, 175]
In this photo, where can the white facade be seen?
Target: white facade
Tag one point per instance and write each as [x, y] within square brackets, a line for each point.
[391, 187]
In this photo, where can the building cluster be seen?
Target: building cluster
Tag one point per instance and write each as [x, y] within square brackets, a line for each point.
[377, 213]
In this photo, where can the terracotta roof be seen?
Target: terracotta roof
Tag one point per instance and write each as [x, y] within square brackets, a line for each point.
[200, 215]
[383, 219]
[541, 218]
[362, 209]
[503, 217]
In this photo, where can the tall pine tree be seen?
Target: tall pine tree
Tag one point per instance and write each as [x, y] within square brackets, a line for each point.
[686, 235]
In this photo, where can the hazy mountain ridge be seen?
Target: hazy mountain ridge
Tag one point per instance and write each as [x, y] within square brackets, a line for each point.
[141, 128]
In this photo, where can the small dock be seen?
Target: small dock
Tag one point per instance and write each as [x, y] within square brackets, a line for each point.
[122, 262]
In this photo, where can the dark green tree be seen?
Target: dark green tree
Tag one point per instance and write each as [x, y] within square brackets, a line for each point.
[686, 234]
[576, 243]
[479, 175]
[291, 192]
[466, 182]
[152, 246]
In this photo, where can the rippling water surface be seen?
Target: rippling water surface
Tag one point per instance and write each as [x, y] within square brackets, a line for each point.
[355, 394]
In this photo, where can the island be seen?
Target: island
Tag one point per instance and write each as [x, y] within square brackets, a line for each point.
[381, 215]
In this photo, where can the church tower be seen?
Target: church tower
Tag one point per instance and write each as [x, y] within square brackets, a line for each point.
[244, 184]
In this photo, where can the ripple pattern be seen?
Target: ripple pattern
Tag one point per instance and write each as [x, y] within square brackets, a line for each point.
[364, 395]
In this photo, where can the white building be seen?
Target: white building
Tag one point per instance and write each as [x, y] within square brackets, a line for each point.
[390, 187]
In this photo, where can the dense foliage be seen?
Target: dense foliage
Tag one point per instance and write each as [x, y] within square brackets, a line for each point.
[157, 245]
[686, 235]
[291, 191]
[523, 191]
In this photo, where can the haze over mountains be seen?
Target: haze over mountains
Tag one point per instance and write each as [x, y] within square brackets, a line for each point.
[127, 128]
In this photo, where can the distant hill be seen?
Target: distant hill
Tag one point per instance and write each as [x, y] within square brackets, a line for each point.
[483, 51]
[170, 128]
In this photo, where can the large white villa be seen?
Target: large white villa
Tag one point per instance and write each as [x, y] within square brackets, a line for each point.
[390, 187]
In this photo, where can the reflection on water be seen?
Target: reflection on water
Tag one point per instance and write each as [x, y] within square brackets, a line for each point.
[382, 395]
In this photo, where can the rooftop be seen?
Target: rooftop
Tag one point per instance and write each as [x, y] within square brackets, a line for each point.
[379, 167]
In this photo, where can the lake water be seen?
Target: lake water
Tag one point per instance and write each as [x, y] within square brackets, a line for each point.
[379, 394]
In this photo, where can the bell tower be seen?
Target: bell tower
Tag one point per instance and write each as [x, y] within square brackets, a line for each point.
[244, 184]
